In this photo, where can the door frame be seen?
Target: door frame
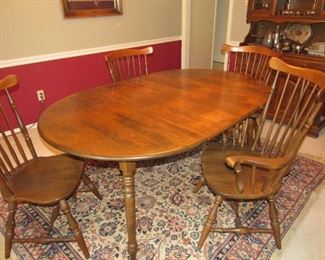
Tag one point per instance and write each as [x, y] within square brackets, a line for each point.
[186, 33]
[186, 28]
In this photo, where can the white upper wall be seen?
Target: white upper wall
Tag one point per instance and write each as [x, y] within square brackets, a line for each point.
[37, 27]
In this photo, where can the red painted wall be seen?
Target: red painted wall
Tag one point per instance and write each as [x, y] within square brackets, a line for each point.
[63, 77]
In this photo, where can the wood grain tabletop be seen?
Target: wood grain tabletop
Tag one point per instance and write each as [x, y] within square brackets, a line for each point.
[155, 116]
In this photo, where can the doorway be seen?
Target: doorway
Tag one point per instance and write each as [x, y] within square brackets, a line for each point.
[220, 34]
[199, 25]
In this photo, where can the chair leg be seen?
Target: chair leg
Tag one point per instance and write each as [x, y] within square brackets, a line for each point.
[251, 130]
[209, 223]
[198, 185]
[77, 234]
[224, 138]
[54, 216]
[10, 226]
[234, 206]
[91, 186]
[274, 222]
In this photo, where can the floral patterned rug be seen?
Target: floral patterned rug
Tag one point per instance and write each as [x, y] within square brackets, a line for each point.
[169, 216]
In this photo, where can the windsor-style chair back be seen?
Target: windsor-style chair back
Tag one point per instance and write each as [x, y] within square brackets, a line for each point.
[26, 178]
[255, 171]
[250, 60]
[128, 63]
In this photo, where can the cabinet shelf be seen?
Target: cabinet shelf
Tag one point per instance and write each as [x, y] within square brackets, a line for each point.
[288, 18]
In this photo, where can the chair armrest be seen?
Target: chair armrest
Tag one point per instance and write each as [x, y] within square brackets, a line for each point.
[236, 162]
[263, 162]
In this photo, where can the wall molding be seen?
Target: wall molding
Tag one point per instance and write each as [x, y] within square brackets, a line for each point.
[76, 53]
[233, 43]
[186, 32]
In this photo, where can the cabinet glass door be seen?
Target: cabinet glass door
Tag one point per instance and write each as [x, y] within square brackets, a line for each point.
[259, 9]
[261, 5]
[322, 9]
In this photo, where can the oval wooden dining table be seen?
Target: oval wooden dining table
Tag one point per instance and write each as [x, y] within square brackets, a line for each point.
[159, 115]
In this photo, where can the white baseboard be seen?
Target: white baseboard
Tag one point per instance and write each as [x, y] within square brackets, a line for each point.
[17, 130]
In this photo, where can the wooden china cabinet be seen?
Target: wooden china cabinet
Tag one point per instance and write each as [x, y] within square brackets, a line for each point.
[295, 27]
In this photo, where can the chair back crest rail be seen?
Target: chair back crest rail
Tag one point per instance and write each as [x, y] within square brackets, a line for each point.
[128, 63]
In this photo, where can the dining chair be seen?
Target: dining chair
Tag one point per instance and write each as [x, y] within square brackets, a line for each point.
[251, 61]
[26, 178]
[243, 172]
[128, 63]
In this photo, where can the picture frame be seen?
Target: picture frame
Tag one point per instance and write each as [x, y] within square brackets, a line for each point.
[91, 8]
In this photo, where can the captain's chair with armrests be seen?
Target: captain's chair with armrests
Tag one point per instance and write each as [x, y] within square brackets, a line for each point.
[254, 172]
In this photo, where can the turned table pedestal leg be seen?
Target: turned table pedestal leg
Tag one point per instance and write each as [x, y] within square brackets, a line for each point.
[128, 170]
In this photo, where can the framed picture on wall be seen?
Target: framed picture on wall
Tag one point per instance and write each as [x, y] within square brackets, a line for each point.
[91, 8]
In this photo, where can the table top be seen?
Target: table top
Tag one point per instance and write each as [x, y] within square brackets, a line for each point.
[155, 116]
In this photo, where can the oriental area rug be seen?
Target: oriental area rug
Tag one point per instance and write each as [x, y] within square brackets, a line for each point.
[169, 216]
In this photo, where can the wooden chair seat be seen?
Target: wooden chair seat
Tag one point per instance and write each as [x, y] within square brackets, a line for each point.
[55, 177]
[222, 179]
